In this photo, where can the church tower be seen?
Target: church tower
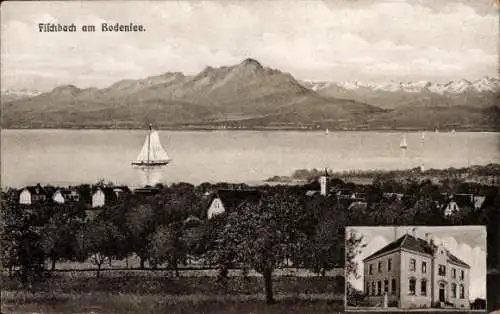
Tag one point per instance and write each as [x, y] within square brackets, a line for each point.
[323, 183]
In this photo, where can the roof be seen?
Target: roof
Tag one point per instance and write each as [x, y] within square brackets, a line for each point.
[478, 201]
[231, 199]
[108, 192]
[408, 242]
[415, 244]
[67, 191]
[463, 199]
[37, 190]
[312, 192]
[452, 258]
[359, 204]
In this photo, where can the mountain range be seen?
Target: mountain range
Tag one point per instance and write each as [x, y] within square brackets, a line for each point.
[249, 95]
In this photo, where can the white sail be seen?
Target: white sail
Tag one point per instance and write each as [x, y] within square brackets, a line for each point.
[403, 143]
[156, 152]
[152, 151]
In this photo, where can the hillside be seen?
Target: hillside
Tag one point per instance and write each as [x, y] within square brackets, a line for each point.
[246, 94]
[249, 95]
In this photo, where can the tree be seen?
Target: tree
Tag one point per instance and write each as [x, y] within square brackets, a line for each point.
[167, 245]
[354, 244]
[58, 235]
[20, 242]
[140, 223]
[99, 241]
[259, 236]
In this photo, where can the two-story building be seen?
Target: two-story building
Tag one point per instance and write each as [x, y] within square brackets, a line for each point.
[412, 273]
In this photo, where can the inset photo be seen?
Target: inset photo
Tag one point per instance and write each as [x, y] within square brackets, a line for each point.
[415, 268]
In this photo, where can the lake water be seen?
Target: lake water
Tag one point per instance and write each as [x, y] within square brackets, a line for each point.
[69, 157]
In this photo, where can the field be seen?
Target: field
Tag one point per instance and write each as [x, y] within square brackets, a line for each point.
[158, 292]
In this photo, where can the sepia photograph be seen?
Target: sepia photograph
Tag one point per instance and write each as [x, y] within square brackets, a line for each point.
[417, 267]
[229, 156]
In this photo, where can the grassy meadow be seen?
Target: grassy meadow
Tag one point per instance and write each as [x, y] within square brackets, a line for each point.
[149, 291]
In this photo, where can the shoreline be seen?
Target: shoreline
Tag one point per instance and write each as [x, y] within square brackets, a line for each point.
[263, 129]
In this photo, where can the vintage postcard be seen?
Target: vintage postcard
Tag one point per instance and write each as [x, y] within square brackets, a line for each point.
[207, 156]
[416, 267]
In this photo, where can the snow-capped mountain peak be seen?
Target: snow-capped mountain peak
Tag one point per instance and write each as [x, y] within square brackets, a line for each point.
[485, 84]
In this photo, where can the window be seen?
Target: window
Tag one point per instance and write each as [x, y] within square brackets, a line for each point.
[386, 287]
[371, 269]
[412, 264]
[379, 267]
[379, 288]
[412, 284]
[373, 288]
[454, 273]
[393, 286]
[453, 290]
[461, 275]
[442, 270]
[389, 264]
[424, 267]
[423, 287]
[462, 292]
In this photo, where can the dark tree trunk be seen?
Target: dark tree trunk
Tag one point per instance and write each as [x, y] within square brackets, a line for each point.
[53, 259]
[323, 272]
[176, 268]
[142, 262]
[126, 261]
[269, 285]
[98, 273]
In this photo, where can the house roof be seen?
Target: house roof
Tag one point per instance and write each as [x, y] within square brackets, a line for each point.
[408, 242]
[478, 201]
[231, 199]
[37, 190]
[415, 244]
[463, 199]
[108, 192]
[361, 205]
[67, 191]
[452, 258]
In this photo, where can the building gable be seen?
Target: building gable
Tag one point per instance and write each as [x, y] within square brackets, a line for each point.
[216, 208]
[25, 197]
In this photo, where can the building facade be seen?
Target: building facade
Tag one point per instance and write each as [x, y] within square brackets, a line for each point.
[414, 273]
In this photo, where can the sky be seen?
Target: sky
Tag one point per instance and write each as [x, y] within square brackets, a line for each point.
[465, 242]
[363, 40]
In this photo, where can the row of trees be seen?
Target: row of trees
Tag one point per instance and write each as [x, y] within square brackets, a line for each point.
[285, 225]
[449, 173]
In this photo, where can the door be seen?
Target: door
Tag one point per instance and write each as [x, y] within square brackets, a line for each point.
[441, 293]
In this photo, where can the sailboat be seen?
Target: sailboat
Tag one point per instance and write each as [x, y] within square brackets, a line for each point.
[326, 132]
[152, 153]
[423, 136]
[403, 144]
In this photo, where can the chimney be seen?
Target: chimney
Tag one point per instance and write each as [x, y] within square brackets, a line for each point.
[427, 237]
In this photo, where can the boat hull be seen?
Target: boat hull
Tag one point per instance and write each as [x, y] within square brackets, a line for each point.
[149, 164]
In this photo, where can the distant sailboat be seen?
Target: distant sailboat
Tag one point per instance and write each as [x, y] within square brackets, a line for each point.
[403, 143]
[152, 153]
[423, 136]
[453, 131]
[326, 132]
